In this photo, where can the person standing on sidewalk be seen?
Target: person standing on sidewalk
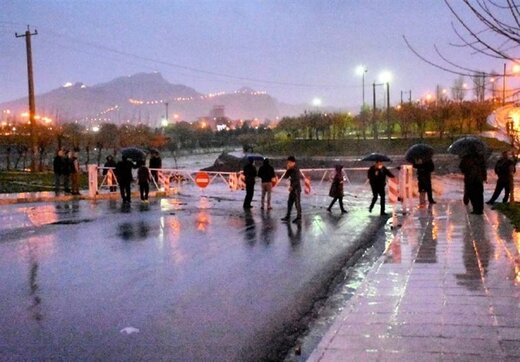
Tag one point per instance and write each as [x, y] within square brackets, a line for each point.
[266, 174]
[125, 178]
[473, 166]
[503, 169]
[377, 174]
[144, 178]
[58, 165]
[75, 171]
[424, 179]
[336, 190]
[250, 175]
[295, 190]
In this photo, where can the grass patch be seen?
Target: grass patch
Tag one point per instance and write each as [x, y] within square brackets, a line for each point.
[511, 211]
[18, 181]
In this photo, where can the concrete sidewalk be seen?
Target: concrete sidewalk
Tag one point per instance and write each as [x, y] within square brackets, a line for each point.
[447, 288]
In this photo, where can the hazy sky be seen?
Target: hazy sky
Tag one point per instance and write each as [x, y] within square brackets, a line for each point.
[295, 50]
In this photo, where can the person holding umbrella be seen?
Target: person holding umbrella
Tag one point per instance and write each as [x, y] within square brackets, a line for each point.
[125, 178]
[377, 175]
[336, 190]
[424, 179]
[473, 166]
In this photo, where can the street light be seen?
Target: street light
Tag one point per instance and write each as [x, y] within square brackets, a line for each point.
[385, 78]
[361, 70]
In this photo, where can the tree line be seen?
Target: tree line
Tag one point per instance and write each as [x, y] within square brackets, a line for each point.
[407, 120]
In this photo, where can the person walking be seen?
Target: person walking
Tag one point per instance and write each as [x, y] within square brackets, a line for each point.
[377, 175]
[155, 164]
[336, 190]
[110, 163]
[473, 166]
[295, 189]
[58, 165]
[504, 168]
[250, 175]
[424, 179]
[143, 178]
[125, 178]
[75, 172]
[266, 174]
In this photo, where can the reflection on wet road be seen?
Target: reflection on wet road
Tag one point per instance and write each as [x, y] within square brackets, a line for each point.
[193, 278]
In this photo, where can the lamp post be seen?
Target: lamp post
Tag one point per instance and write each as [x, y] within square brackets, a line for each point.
[361, 70]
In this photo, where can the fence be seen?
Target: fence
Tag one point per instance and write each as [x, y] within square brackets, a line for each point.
[170, 181]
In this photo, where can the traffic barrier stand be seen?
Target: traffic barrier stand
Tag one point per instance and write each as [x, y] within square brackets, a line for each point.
[233, 182]
[164, 180]
[241, 181]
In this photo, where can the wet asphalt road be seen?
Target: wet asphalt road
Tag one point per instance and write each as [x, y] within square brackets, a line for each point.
[185, 278]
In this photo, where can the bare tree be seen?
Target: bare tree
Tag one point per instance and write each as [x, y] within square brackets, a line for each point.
[490, 28]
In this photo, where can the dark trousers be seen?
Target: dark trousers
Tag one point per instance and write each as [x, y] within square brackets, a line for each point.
[476, 196]
[425, 185]
[124, 189]
[340, 199]
[378, 191]
[250, 190]
[502, 184]
[144, 189]
[294, 198]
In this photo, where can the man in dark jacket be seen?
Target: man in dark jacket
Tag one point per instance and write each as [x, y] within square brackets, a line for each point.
[58, 165]
[473, 166]
[295, 189]
[125, 178]
[250, 175]
[266, 174]
[377, 174]
[503, 168]
[424, 179]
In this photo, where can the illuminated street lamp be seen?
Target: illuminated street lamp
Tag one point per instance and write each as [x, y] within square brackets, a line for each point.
[361, 70]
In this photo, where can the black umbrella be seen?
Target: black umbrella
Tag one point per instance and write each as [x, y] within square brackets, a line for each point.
[420, 150]
[374, 157]
[468, 145]
[254, 156]
[134, 153]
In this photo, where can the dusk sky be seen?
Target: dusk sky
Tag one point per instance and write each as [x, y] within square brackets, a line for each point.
[294, 50]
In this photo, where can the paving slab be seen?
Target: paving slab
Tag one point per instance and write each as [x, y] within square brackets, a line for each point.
[446, 288]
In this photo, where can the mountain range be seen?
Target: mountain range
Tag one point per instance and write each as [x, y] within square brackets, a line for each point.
[147, 98]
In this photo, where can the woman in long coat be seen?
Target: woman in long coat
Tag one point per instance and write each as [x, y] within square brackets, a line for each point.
[336, 190]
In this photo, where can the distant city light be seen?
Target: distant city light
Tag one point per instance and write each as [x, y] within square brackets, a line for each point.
[164, 122]
[95, 129]
[316, 102]
[67, 85]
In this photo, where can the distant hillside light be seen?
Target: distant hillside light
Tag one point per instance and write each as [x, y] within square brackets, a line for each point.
[316, 102]
[67, 85]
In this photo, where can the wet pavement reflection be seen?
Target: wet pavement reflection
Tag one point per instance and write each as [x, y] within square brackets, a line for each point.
[191, 277]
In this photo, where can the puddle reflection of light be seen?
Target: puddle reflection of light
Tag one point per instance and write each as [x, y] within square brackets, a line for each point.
[174, 229]
[37, 247]
[42, 215]
[203, 220]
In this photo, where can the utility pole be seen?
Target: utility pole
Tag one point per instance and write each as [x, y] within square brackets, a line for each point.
[32, 105]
